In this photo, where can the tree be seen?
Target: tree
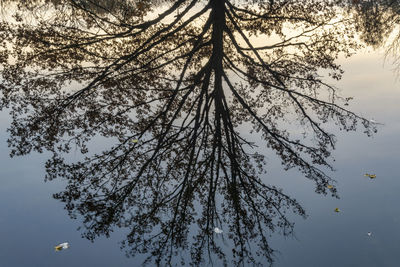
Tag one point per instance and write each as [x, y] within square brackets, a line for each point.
[377, 22]
[171, 85]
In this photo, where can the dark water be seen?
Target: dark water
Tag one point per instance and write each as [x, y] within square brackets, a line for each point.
[364, 232]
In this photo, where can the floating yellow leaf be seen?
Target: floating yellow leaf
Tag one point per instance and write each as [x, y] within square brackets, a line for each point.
[372, 176]
[61, 246]
[135, 141]
[329, 186]
[337, 210]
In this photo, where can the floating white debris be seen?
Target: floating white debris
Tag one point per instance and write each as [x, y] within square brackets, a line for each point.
[374, 121]
[217, 230]
[369, 233]
[61, 246]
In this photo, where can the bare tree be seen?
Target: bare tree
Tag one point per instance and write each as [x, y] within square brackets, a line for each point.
[171, 85]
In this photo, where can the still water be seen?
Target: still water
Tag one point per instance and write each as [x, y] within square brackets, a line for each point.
[32, 222]
[364, 231]
[330, 239]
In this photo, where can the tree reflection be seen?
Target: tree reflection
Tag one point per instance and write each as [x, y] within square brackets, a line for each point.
[375, 20]
[378, 24]
[171, 85]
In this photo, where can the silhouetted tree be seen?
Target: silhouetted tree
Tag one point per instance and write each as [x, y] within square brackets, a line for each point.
[170, 85]
[377, 23]
[375, 20]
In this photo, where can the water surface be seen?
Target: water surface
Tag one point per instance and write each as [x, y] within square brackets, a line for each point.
[33, 222]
